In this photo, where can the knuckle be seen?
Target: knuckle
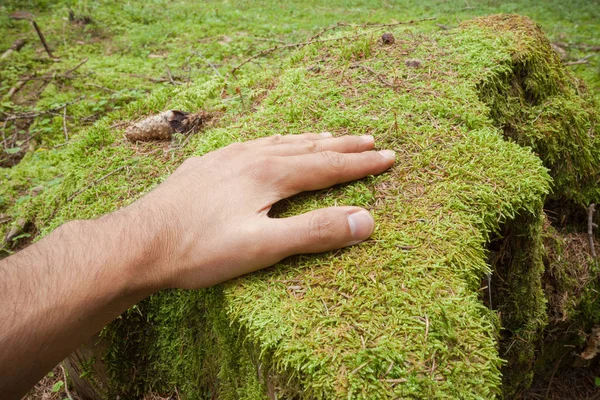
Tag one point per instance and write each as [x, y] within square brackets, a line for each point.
[276, 139]
[310, 146]
[334, 159]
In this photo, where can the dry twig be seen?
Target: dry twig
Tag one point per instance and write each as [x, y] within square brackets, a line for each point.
[66, 382]
[578, 62]
[69, 72]
[208, 63]
[65, 124]
[43, 39]
[591, 226]
[77, 193]
[37, 114]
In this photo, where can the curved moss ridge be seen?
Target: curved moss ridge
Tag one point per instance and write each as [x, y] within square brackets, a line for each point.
[538, 103]
[398, 316]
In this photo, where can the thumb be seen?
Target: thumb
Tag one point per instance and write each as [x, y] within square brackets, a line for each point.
[322, 230]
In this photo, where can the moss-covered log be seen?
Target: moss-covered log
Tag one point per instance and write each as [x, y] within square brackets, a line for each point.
[485, 125]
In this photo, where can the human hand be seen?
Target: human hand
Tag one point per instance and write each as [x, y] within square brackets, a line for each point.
[209, 222]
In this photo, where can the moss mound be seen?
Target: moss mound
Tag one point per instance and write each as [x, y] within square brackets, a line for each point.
[483, 119]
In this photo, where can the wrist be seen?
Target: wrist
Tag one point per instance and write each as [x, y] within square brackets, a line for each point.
[124, 249]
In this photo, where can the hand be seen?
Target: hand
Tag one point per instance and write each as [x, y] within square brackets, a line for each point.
[210, 219]
[208, 222]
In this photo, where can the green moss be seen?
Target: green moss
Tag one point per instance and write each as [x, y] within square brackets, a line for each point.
[538, 103]
[400, 315]
[519, 294]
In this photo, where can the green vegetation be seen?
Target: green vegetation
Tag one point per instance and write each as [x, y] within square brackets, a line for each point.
[400, 315]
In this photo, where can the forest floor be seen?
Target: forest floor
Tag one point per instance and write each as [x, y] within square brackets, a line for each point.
[106, 54]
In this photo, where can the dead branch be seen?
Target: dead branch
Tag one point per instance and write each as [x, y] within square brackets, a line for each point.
[42, 39]
[315, 38]
[591, 226]
[65, 124]
[16, 46]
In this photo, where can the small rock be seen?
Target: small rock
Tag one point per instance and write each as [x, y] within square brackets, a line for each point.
[387, 38]
[413, 63]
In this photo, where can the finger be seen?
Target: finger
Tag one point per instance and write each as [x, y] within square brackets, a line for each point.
[321, 230]
[343, 144]
[322, 170]
[285, 139]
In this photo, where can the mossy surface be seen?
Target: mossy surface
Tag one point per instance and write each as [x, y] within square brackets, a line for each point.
[400, 315]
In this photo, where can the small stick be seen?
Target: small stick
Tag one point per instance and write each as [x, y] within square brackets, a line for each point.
[17, 87]
[100, 87]
[66, 74]
[16, 46]
[591, 225]
[155, 80]
[583, 60]
[66, 383]
[578, 62]
[65, 124]
[170, 76]
[77, 193]
[52, 110]
[41, 36]
[209, 63]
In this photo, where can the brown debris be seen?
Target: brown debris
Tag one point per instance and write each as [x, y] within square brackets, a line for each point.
[388, 38]
[593, 344]
[413, 63]
[162, 126]
[14, 231]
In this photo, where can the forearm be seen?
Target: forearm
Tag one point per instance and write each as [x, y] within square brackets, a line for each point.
[57, 293]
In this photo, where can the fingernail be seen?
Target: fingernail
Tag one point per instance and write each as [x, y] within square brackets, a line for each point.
[367, 138]
[388, 154]
[361, 225]
[326, 134]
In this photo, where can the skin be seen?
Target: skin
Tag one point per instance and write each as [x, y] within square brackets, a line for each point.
[205, 224]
